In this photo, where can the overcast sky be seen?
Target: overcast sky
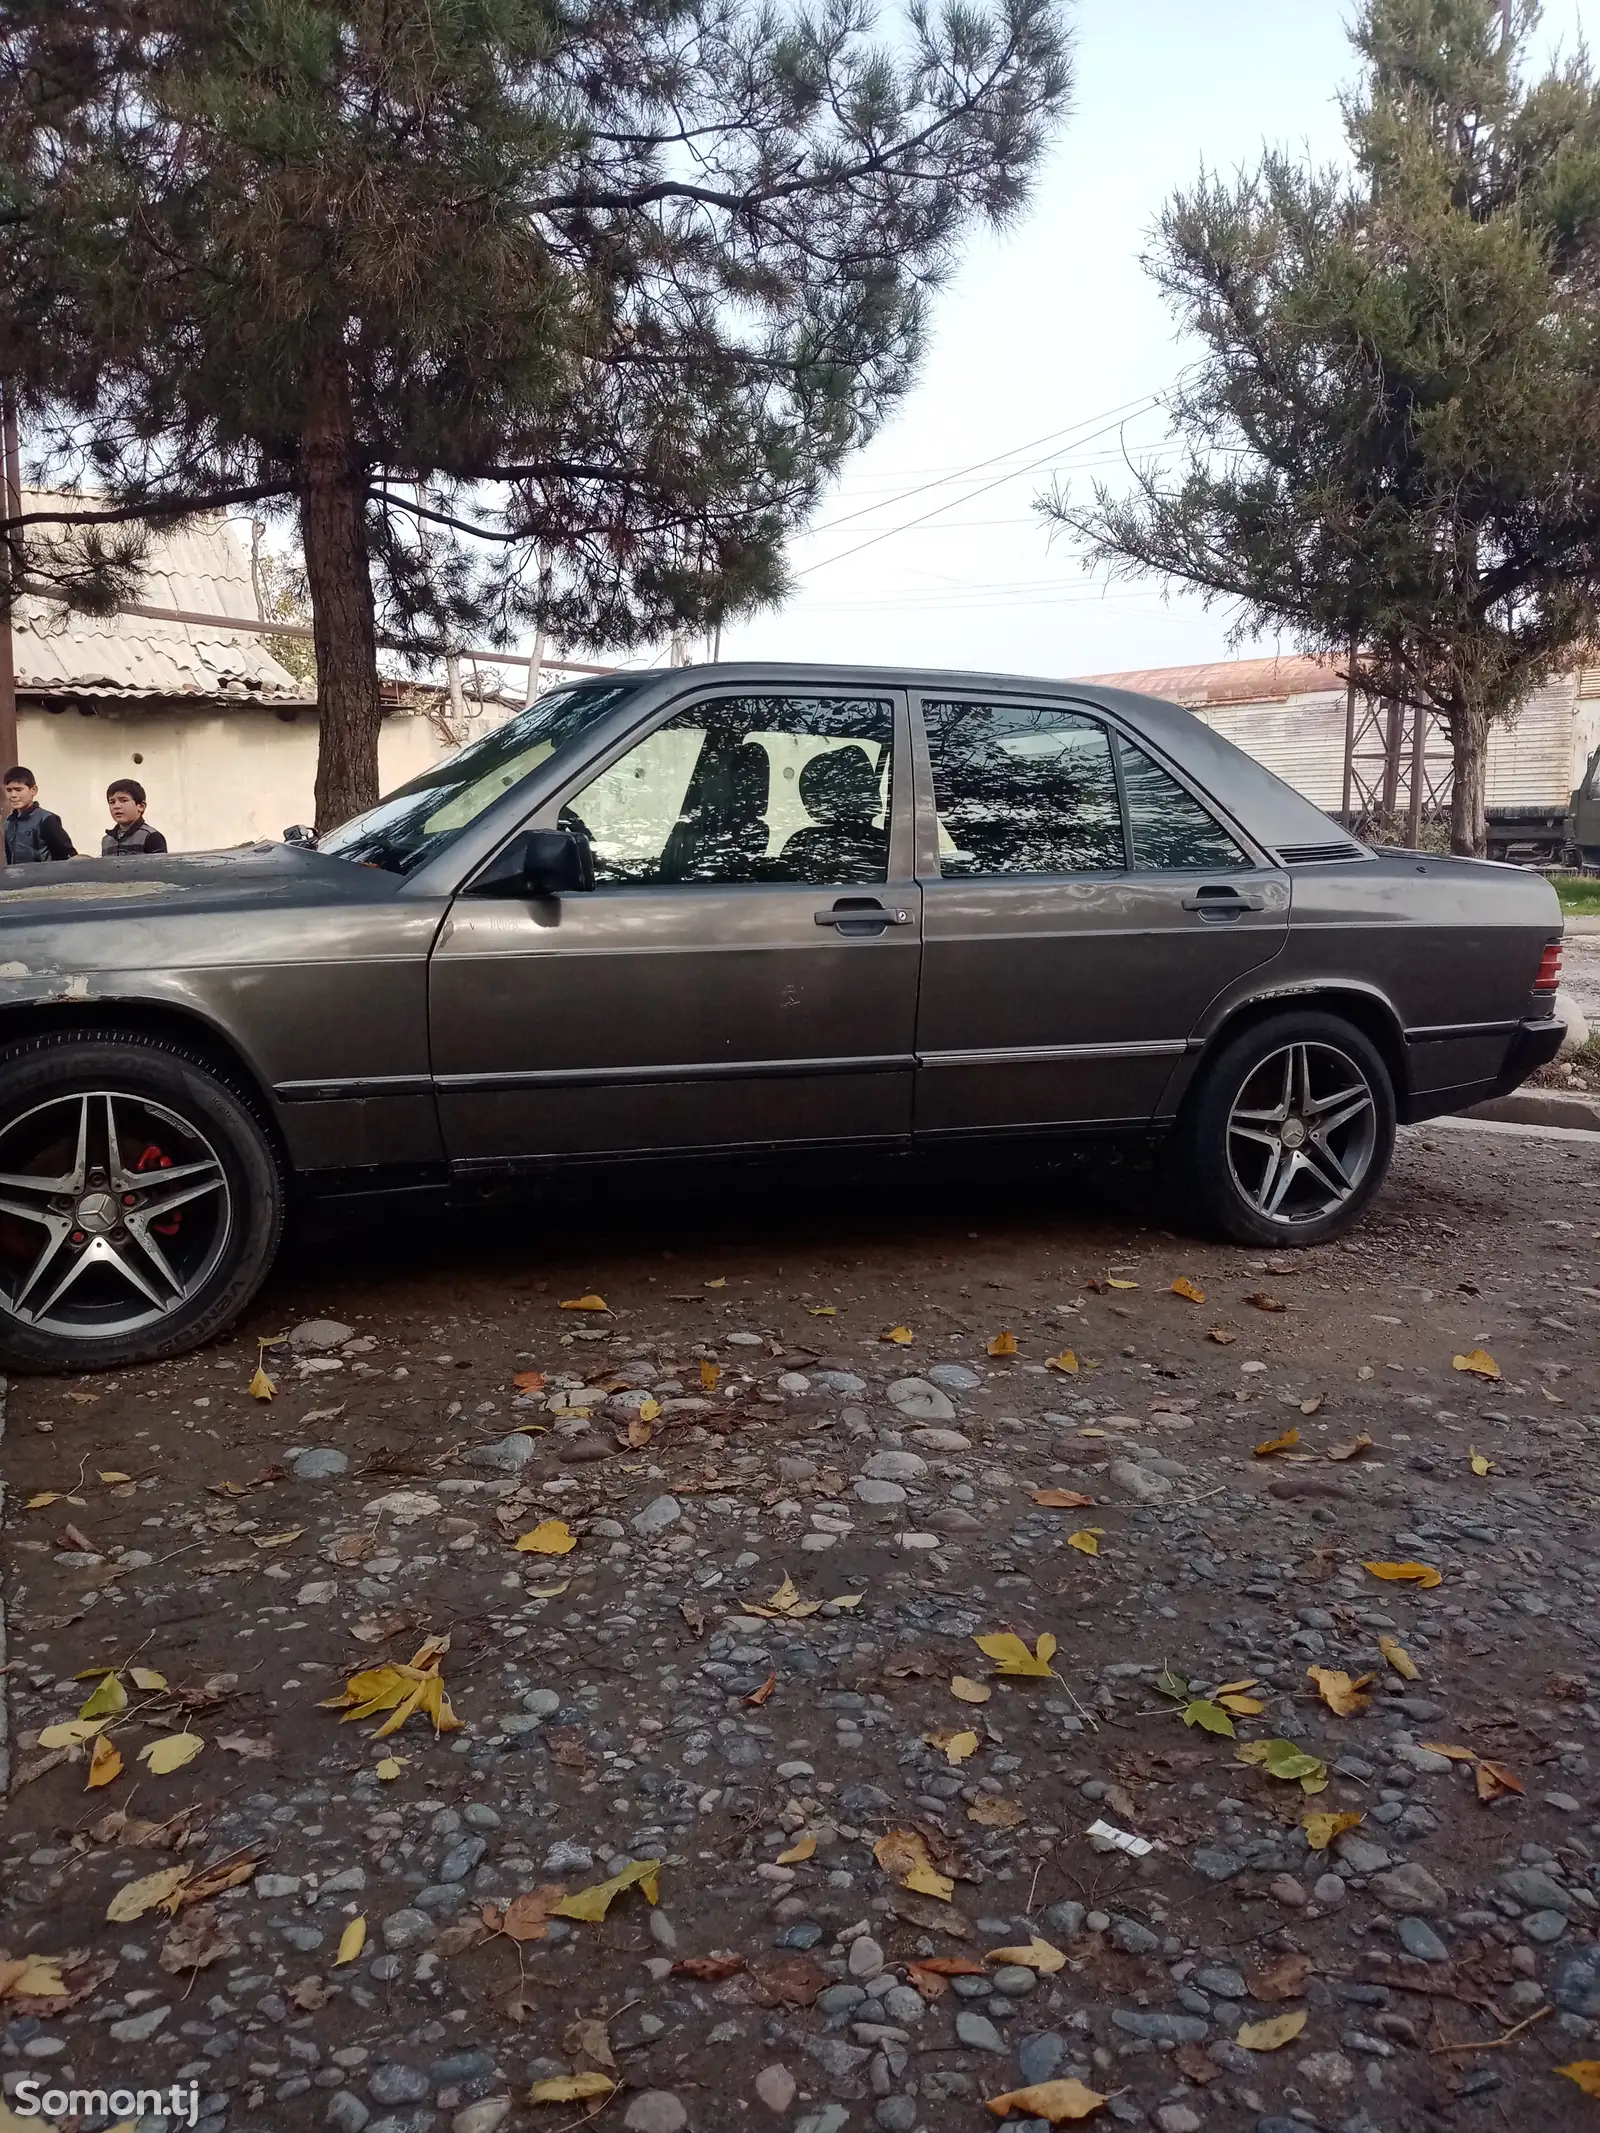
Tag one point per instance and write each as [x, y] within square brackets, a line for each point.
[1055, 328]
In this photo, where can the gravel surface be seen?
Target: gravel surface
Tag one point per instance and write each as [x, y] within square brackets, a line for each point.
[758, 1668]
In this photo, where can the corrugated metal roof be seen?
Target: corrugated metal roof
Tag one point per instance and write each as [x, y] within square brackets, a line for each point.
[202, 567]
[1229, 681]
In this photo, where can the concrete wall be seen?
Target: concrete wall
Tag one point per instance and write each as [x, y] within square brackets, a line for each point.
[213, 779]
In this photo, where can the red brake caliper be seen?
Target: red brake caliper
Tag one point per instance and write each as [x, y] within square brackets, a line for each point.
[153, 1159]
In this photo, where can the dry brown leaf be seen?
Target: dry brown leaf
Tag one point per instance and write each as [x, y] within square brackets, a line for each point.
[1004, 1343]
[1285, 1443]
[1273, 2034]
[991, 1810]
[590, 2038]
[902, 1336]
[250, 1747]
[759, 1696]
[1062, 1499]
[788, 1981]
[1494, 1781]
[708, 1968]
[932, 1976]
[1224, 1336]
[1478, 1362]
[903, 1855]
[1185, 1288]
[1352, 1450]
[1057, 2101]
[584, 1303]
[196, 1939]
[529, 1381]
[525, 1917]
[1585, 2073]
[1283, 1980]
[1263, 1302]
[1338, 1691]
[1400, 1659]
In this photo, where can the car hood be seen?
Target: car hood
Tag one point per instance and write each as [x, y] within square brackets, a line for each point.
[249, 873]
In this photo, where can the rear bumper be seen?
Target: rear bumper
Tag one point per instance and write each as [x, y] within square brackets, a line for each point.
[1530, 1046]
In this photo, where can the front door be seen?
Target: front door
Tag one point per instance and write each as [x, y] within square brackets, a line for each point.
[744, 972]
[1081, 909]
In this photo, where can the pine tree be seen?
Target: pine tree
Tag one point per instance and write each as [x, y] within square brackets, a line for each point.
[1392, 429]
[527, 312]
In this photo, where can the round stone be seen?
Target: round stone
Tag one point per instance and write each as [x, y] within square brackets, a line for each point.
[1015, 1980]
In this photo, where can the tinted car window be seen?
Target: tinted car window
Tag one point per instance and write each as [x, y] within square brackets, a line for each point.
[751, 788]
[1168, 826]
[1022, 789]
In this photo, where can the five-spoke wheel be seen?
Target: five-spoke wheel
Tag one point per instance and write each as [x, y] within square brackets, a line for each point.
[140, 1201]
[1289, 1128]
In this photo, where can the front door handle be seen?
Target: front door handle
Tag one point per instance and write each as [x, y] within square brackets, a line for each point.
[1222, 901]
[863, 915]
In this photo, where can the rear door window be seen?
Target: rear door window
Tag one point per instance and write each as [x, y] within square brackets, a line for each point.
[1023, 789]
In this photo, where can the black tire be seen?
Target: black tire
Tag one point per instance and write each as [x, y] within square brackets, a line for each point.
[168, 1095]
[1216, 1157]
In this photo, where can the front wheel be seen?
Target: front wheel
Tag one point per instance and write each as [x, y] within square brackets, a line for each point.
[1290, 1130]
[141, 1202]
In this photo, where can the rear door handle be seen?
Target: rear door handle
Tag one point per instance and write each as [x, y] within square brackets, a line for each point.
[1222, 901]
[859, 913]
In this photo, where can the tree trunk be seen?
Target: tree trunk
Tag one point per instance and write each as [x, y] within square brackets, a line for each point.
[339, 576]
[1469, 746]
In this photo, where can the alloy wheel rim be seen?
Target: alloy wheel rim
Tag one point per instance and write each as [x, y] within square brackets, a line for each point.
[1302, 1133]
[114, 1212]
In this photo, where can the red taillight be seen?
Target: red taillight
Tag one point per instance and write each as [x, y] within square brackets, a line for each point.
[1549, 977]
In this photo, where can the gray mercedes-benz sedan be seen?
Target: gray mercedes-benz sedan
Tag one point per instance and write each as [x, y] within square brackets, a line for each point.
[734, 908]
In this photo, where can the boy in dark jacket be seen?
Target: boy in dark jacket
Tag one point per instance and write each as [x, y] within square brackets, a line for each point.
[130, 836]
[32, 833]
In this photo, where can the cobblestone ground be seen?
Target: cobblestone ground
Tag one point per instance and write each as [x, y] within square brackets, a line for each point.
[814, 1450]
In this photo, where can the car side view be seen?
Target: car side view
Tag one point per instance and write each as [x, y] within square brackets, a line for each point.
[735, 908]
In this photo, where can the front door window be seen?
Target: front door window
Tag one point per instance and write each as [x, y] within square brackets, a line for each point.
[747, 789]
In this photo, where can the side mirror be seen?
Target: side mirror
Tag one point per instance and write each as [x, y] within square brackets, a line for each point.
[539, 863]
[557, 863]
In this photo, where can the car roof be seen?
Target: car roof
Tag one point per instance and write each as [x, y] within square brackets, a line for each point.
[1273, 812]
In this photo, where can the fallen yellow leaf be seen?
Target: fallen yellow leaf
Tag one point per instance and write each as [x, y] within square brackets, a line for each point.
[351, 1941]
[1338, 1691]
[146, 1677]
[1056, 2101]
[262, 1387]
[1353, 1450]
[902, 1336]
[1285, 1443]
[801, 1849]
[1086, 1540]
[648, 1410]
[903, 1855]
[1184, 1287]
[401, 1691]
[571, 2088]
[550, 1537]
[388, 1768]
[1422, 1574]
[966, 1690]
[1454, 1755]
[956, 1746]
[1400, 1659]
[111, 1477]
[1494, 1781]
[105, 1763]
[1585, 2072]
[548, 1592]
[1273, 2034]
[591, 1905]
[584, 1303]
[170, 1753]
[1112, 1282]
[1003, 1344]
[108, 1699]
[823, 1310]
[990, 1810]
[1321, 1829]
[134, 1898]
[42, 1500]
[1066, 1362]
[1480, 1465]
[1062, 1499]
[710, 1375]
[1012, 1656]
[277, 1540]
[1037, 1955]
[1478, 1361]
[71, 1733]
[31, 1977]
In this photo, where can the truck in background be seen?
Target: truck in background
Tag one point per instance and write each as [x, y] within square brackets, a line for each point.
[1292, 715]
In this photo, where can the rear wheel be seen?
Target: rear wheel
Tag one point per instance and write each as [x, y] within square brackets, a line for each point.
[141, 1202]
[1290, 1130]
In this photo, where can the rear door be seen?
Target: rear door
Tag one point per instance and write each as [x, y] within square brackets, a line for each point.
[744, 971]
[1082, 906]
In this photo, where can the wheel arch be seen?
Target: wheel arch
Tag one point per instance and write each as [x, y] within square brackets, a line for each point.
[158, 1023]
[1367, 1010]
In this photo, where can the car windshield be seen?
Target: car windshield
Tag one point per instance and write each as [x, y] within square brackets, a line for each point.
[416, 822]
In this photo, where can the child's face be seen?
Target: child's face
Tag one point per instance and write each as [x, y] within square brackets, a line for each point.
[20, 796]
[124, 807]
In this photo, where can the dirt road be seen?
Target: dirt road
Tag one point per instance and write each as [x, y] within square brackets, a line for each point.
[804, 1475]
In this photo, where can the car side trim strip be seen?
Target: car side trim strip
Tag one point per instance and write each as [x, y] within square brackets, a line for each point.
[352, 1086]
[1047, 1054]
[697, 1070]
[1434, 1032]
